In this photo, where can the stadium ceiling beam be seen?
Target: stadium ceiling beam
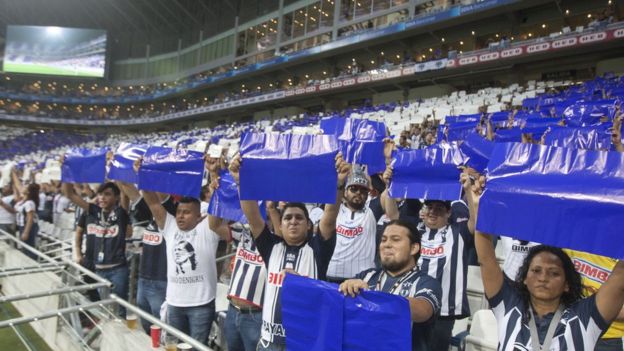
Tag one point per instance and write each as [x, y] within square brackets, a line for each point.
[163, 18]
[85, 9]
[206, 8]
[186, 12]
[173, 14]
[147, 21]
[120, 12]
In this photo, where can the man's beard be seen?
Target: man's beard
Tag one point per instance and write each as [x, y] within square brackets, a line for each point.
[357, 206]
[393, 266]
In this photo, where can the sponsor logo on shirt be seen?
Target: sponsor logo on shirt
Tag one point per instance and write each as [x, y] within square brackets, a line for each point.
[276, 278]
[273, 328]
[519, 248]
[152, 238]
[432, 252]
[249, 256]
[105, 232]
[349, 232]
[591, 271]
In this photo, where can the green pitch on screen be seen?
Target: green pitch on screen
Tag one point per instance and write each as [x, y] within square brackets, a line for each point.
[43, 69]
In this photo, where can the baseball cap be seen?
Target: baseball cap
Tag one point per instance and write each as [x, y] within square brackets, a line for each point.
[358, 177]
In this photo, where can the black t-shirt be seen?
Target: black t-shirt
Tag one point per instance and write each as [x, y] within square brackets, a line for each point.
[109, 235]
[88, 260]
[153, 265]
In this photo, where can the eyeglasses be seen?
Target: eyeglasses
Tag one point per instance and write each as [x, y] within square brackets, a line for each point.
[358, 189]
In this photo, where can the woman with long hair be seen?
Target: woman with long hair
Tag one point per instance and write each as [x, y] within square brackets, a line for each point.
[543, 308]
[26, 213]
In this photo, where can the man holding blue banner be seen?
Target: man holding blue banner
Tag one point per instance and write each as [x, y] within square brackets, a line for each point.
[191, 265]
[444, 257]
[399, 275]
[297, 252]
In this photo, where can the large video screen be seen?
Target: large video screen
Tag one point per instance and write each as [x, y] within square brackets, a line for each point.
[55, 51]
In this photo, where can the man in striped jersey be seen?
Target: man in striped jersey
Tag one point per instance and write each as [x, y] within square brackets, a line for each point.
[296, 252]
[444, 257]
[355, 231]
[244, 316]
[399, 275]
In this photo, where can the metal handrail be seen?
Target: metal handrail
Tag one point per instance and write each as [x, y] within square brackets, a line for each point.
[56, 313]
[169, 329]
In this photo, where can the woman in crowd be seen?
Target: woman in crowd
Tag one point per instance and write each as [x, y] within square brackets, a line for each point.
[543, 309]
[26, 213]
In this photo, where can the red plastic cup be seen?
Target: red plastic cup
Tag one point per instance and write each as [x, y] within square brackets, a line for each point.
[155, 334]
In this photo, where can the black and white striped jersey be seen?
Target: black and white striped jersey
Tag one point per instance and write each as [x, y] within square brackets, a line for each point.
[309, 259]
[578, 330]
[249, 273]
[444, 257]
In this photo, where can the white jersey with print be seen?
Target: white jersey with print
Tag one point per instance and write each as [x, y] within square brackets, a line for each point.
[191, 266]
[514, 252]
[355, 243]
[22, 208]
[59, 205]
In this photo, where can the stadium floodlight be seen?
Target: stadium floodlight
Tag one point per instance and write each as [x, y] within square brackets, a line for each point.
[54, 31]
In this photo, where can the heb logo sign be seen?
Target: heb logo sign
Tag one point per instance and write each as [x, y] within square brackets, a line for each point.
[591, 271]
[324, 86]
[590, 38]
[310, 89]
[379, 76]
[348, 82]
[336, 84]
[618, 33]
[300, 91]
[511, 52]
[489, 57]
[468, 60]
[393, 74]
[564, 43]
[289, 93]
[364, 79]
[538, 47]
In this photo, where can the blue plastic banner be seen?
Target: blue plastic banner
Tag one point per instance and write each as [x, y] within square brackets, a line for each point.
[172, 171]
[556, 196]
[122, 166]
[588, 138]
[458, 131]
[317, 317]
[430, 173]
[478, 151]
[287, 167]
[84, 166]
[225, 202]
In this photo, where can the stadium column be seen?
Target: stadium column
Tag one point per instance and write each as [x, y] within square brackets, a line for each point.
[337, 6]
[280, 18]
[412, 7]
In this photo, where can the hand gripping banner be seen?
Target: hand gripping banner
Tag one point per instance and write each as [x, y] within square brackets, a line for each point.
[122, 166]
[172, 171]
[478, 151]
[84, 166]
[287, 167]
[563, 197]
[429, 173]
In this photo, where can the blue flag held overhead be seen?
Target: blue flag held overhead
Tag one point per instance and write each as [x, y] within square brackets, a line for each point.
[430, 173]
[84, 166]
[225, 202]
[556, 196]
[172, 171]
[122, 166]
[478, 151]
[288, 167]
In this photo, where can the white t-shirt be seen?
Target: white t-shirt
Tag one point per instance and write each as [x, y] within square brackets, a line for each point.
[22, 208]
[191, 266]
[60, 204]
[6, 217]
[42, 200]
[514, 251]
[355, 243]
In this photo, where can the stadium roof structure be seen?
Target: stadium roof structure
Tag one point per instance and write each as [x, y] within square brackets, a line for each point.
[157, 17]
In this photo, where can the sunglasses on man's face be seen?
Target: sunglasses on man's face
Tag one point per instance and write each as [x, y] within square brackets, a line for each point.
[358, 189]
